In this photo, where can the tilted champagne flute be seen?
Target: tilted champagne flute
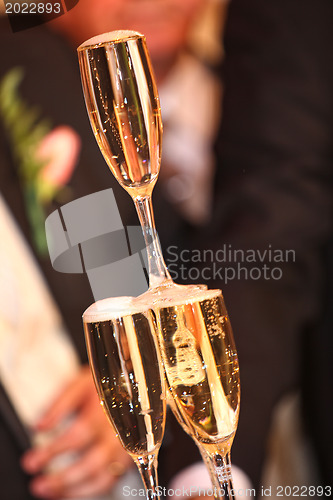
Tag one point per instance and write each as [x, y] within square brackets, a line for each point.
[124, 110]
[123, 356]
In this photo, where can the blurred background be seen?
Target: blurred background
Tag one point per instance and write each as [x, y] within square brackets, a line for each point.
[247, 103]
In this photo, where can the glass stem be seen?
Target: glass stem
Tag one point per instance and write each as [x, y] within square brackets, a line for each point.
[158, 272]
[219, 468]
[148, 471]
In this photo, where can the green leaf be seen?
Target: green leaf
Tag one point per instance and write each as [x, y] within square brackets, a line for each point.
[25, 131]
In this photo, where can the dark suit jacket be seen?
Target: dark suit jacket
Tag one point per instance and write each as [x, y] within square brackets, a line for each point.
[273, 189]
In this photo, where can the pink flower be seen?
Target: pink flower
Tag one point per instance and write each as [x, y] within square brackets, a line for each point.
[60, 150]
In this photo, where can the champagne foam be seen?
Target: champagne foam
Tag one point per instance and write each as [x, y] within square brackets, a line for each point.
[111, 308]
[177, 297]
[111, 36]
[116, 307]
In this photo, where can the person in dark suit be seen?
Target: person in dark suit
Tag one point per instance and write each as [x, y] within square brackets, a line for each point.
[276, 154]
[273, 189]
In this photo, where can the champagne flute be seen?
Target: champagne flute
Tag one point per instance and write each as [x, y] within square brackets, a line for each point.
[201, 367]
[124, 110]
[123, 356]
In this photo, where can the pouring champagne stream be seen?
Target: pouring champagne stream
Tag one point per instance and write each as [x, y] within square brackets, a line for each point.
[193, 328]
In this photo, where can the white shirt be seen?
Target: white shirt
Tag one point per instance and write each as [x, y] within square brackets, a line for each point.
[191, 107]
[36, 355]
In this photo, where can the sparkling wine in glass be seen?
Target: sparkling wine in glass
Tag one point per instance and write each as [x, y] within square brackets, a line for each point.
[123, 356]
[124, 110]
[201, 367]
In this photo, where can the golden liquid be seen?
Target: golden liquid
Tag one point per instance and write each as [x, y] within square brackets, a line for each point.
[124, 109]
[129, 380]
[201, 367]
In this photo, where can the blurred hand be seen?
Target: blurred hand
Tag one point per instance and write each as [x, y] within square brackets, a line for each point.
[99, 456]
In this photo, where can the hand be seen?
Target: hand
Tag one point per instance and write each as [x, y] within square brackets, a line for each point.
[100, 458]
